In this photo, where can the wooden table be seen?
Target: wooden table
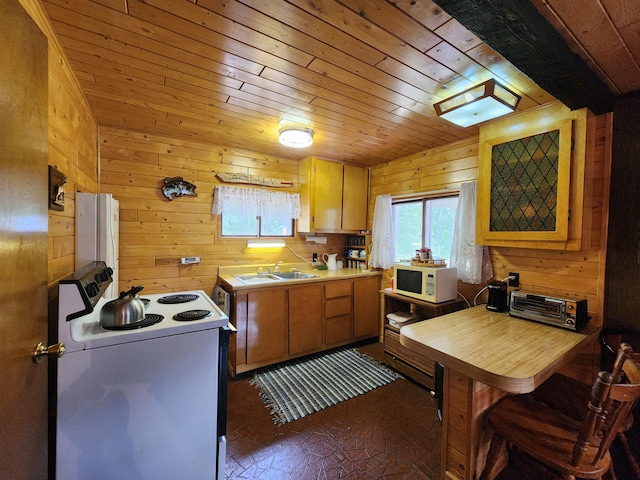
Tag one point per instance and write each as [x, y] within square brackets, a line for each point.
[486, 355]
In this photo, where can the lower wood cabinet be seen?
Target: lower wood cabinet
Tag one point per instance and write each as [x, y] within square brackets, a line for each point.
[306, 322]
[366, 305]
[412, 364]
[266, 326]
[279, 323]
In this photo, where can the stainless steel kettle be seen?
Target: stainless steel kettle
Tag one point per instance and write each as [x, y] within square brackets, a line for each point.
[124, 310]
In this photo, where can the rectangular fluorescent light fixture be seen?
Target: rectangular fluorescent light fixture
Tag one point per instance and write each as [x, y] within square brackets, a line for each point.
[483, 102]
[266, 244]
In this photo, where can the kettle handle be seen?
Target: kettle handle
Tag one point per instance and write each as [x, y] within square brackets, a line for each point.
[131, 293]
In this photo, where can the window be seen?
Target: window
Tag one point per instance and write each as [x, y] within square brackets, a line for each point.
[424, 222]
[255, 226]
[252, 212]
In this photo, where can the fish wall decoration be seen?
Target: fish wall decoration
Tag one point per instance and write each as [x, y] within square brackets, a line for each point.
[178, 187]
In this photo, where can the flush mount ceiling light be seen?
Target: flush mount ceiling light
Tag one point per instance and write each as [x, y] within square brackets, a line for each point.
[483, 102]
[296, 137]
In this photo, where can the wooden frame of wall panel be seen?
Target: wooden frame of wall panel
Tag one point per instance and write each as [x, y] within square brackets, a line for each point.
[486, 192]
[527, 123]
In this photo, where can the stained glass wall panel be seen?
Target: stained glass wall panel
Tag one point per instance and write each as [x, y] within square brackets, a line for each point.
[524, 184]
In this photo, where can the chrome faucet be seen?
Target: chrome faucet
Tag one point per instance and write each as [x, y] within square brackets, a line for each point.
[276, 267]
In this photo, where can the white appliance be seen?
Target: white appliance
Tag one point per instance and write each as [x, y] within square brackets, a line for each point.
[141, 402]
[98, 233]
[431, 284]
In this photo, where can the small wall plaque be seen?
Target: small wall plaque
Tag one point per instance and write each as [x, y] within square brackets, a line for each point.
[177, 187]
[57, 181]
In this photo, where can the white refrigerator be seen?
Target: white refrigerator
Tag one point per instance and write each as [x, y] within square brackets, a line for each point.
[98, 233]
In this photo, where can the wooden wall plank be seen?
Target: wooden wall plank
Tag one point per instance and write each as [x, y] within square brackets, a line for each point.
[155, 232]
[72, 132]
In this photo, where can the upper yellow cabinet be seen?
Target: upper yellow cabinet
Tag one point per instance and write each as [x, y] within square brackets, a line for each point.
[333, 196]
[532, 172]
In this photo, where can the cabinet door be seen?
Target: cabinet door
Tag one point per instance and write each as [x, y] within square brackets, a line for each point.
[338, 329]
[354, 198]
[327, 193]
[238, 341]
[305, 319]
[366, 307]
[266, 326]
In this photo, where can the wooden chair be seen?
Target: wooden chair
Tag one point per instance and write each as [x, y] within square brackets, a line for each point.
[572, 448]
[571, 397]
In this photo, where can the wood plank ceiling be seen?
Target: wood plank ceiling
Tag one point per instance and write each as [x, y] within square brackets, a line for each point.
[363, 74]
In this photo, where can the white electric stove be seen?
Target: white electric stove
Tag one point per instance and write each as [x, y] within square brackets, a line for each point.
[145, 401]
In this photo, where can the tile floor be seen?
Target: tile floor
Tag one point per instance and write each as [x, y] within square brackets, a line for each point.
[392, 432]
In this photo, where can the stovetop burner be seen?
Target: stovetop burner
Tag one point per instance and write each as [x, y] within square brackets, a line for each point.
[179, 298]
[190, 315]
[149, 319]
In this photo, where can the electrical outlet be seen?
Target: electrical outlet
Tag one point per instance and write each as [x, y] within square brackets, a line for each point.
[189, 260]
[314, 257]
[514, 282]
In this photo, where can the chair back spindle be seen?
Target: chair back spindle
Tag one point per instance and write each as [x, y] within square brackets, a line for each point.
[599, 394]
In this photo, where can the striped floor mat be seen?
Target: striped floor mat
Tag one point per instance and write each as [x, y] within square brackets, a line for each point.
[300, 387]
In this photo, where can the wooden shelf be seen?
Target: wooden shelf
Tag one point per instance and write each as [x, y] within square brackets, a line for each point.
[358, 243]
[414, 365]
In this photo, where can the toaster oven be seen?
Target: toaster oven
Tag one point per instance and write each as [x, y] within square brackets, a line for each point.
[560, 312]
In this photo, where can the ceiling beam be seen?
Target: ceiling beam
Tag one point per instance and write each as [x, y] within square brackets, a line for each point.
[516, 30]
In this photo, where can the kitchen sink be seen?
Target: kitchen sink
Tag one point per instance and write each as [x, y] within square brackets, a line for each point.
[258, 278]
[273, 277]
[294, 275]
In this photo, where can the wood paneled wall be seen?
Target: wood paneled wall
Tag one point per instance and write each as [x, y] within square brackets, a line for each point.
[72, 147]
[155, 232]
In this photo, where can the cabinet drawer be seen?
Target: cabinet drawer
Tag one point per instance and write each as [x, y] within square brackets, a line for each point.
[409, 370]
[337, 306]
[393, 346]
[338, 289]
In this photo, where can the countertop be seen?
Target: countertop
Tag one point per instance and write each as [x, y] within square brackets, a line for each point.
[226, 274]
[499, 350]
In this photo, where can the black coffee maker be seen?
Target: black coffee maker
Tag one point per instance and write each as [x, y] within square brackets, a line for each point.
[497, 296]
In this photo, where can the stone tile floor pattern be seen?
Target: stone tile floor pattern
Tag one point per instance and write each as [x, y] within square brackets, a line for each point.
[392, 432]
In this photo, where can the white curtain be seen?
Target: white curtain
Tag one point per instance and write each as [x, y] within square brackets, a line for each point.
[382, 252]
[471, 260]
[246, 202]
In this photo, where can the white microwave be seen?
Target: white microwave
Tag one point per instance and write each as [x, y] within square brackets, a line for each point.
[431, 284]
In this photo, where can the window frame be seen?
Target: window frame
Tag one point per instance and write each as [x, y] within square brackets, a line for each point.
[259, 230]
[423, 198]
